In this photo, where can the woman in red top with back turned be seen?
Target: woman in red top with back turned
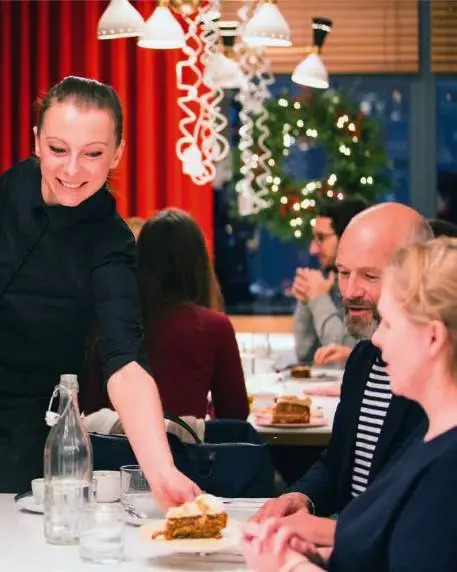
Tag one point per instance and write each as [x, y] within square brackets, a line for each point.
[190, 343]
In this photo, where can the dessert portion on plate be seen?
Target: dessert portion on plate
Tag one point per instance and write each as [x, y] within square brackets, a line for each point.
[204, 517]
[301, 371]
[291, 409]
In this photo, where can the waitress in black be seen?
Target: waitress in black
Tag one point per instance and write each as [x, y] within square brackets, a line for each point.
[67, 260]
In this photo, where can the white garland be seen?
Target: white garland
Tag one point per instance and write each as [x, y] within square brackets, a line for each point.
[252, 96]
[202, 143]
[264, 79]
[187, 148]
[215, 145]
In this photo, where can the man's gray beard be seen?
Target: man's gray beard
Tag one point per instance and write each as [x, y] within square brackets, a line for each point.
[360, 330]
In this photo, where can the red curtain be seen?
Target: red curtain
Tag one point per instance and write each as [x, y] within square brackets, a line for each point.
[43, 41]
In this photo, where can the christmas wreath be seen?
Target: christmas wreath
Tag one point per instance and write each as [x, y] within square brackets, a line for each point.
[355, 157]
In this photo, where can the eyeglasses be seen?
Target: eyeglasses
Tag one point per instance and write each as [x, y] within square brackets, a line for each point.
[319, 237]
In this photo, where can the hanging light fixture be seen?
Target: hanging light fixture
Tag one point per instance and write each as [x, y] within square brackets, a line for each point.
[267, 27]
[162, 31]
[312, 71]
[223, 70]
[185, 7]
[214, 12]
[120, 20]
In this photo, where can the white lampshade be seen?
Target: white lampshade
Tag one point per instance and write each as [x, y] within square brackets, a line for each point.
[311, 72]
[267, 27]
[224, 72]
[120, 20]
[214, 11]
[193, 161]
[162, 31]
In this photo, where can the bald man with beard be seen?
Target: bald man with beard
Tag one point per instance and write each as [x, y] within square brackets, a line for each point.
[370, 423]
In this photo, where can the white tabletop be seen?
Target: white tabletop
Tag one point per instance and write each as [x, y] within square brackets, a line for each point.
[24, 549]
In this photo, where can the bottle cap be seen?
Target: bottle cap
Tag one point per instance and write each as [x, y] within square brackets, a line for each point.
[69, 377]
[51, 418]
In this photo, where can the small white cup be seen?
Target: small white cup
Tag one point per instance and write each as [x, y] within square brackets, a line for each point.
[108, 486]
[38, 490]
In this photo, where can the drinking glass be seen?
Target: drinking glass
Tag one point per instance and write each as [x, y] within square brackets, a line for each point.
[136, 497]
[248, 364]
[101, 539]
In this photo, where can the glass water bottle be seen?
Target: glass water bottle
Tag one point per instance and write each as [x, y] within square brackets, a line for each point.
[67, 467]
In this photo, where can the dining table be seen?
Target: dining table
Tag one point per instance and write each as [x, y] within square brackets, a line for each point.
[266, 359]
[266, 387]
[24, 548]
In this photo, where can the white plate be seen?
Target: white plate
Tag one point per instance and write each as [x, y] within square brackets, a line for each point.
[321, 378]
[266, 422]
[230, 538]
[28, 504]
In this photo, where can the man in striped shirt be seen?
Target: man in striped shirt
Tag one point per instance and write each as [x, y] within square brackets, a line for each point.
[370, 424]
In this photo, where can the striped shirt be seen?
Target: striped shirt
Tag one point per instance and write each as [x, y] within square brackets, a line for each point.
[375, 403]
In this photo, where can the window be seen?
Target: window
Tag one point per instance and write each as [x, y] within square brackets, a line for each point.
[256, 270]
[446, 147]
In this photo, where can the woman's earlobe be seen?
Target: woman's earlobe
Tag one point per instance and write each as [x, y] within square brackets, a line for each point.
[37, 144]
[118, 154]
[439, 335]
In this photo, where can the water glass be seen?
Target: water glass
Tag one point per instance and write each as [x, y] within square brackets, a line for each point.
[248, 364]
[101, 538]
[136, 496]
[263, 365]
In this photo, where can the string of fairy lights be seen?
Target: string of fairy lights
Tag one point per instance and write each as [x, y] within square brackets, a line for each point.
[354, 152]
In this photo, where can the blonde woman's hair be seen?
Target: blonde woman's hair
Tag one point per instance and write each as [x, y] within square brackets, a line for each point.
[425, 285]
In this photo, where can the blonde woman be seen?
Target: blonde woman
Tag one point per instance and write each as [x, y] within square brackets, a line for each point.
[406, 519]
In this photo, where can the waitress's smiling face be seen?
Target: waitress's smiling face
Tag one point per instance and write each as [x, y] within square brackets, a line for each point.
[77, 147]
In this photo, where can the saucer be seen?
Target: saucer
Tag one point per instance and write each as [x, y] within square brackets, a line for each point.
[29, 504]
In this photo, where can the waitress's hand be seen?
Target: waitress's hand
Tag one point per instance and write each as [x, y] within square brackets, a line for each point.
[171, 488]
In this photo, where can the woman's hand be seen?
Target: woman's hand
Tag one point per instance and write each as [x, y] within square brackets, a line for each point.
[171, 488]
[285, 505]
[263, 553]
[268, 547]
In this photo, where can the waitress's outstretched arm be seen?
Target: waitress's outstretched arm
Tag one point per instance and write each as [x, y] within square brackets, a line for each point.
[134, 394]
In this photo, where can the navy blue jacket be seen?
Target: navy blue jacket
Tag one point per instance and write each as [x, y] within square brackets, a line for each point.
[328, 481]
[406, 521]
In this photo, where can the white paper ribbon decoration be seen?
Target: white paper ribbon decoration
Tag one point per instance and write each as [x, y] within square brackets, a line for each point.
[251, 99]
[252, 188]
[214, 144]
[264, 79]
[187, 148]
[202, 143]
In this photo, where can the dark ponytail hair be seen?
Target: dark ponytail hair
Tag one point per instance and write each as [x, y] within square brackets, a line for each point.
[85, 93]
[174, 267]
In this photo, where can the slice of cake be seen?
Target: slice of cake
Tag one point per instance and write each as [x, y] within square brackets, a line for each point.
[204, 517]
[301, 371]
[291, 409]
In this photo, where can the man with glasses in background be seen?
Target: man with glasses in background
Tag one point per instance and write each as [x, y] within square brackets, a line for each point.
[319, 316]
